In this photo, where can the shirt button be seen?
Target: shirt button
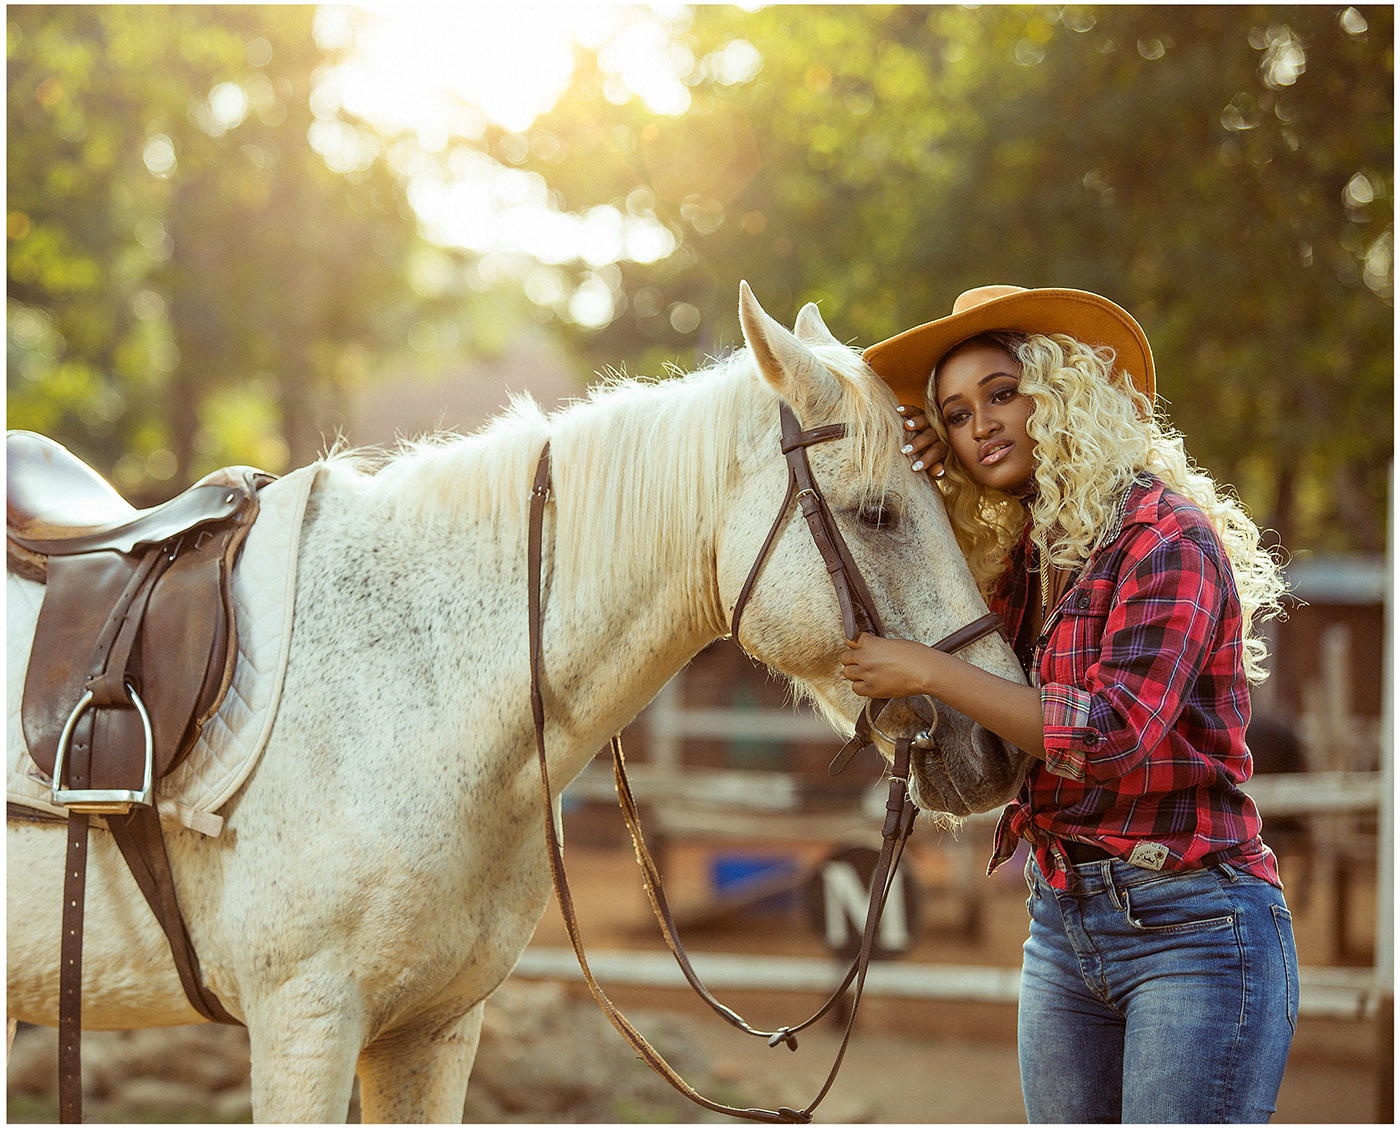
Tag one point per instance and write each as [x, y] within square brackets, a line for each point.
[1091, 738]
[1083, 601]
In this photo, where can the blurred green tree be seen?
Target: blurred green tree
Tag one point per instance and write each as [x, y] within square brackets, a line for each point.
[189, 283]
[1224, 172]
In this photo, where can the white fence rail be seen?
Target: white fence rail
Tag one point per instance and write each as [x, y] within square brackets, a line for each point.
[759, 804]
[1342, 993]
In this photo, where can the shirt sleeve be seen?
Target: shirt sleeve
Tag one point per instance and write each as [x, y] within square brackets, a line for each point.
[1159, 625]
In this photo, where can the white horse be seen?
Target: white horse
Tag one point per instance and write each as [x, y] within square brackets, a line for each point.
[383, 869]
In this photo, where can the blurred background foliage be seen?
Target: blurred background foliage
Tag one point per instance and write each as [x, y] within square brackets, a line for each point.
[209, 251]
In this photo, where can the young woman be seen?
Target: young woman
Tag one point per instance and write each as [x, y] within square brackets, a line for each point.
[1159, 981]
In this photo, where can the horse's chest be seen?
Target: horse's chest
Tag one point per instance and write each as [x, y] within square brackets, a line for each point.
[480, 931]
[482, 901]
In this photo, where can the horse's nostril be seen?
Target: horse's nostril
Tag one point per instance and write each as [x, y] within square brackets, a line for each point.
[989, 745]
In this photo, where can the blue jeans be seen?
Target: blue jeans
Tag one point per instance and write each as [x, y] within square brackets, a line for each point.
[1152, 996]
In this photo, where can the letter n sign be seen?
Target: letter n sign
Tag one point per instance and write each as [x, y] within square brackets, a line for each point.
[838, 898]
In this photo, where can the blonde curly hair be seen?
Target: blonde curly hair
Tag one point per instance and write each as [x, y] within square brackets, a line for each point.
[1094, 433]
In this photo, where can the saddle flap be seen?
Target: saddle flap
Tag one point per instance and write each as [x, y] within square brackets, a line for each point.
[188, 644]
[78, 599]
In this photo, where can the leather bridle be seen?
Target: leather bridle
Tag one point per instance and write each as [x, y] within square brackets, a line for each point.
[858, 613]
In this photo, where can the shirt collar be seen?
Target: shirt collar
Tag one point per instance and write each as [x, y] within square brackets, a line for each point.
[1138, 506]
[1141, 502]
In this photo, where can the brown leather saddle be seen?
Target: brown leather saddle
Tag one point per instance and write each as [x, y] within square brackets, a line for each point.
[134, 649]
[136, 641]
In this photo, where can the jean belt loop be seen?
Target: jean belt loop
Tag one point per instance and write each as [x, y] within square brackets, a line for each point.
[1229, 872]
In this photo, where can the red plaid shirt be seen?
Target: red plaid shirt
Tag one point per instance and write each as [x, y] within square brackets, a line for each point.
[1143, 690]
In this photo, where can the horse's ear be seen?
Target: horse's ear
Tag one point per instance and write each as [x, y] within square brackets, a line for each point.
[785, 363]
[810, 328]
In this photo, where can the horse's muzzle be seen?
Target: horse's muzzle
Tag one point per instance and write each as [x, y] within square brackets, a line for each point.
[966, 785]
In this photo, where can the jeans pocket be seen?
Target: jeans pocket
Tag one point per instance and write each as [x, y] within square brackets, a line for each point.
[1283, 922]
[1187, 900]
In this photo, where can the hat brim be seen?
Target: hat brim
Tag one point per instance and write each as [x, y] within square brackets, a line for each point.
[906, 360]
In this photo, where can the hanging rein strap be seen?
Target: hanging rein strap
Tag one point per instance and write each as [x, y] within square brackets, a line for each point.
[900, 813]
[539, 495]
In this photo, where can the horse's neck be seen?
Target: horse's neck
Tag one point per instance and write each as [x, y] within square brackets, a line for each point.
[633, 594]
[629, 551]
[609, 649]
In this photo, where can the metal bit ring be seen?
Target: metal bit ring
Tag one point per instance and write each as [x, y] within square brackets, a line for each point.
[923, 739]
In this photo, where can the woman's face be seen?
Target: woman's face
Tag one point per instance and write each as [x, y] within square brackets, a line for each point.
[978, 396]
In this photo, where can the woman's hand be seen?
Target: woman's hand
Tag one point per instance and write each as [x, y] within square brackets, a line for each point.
[883, 668]
[921, 442]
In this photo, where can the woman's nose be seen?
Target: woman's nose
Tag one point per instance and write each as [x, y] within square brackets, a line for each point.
[984, 424]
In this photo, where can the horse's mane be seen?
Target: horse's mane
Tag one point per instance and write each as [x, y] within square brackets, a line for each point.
[664, 449]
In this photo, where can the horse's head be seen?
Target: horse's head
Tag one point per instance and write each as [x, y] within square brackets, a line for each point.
[899, 537]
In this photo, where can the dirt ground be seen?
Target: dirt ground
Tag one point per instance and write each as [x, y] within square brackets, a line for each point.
[548, 1055]
[914, 1061]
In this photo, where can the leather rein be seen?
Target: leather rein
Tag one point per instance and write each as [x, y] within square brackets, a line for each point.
[858, 613]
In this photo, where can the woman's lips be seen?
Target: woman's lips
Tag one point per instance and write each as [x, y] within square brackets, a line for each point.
[994, 452]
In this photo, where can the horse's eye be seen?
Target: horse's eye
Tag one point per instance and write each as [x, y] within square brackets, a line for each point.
[879, 517]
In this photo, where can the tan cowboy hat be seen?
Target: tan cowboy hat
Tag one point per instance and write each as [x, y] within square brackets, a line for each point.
[906, 360]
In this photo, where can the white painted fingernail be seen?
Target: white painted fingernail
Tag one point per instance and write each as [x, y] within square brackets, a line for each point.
[918, 465]
[906, 449]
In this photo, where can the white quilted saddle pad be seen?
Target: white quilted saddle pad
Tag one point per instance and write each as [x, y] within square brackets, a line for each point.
[264, 591]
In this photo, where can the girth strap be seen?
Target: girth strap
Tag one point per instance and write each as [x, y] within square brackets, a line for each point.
[138, 836]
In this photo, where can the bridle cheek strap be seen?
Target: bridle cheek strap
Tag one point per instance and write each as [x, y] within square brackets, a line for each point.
[858, 613]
